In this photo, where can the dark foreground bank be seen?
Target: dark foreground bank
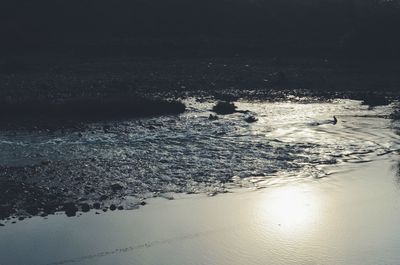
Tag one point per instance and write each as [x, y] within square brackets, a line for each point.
[37, 114]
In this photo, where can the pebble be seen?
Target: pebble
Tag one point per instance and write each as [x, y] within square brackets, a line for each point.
[85, 207]
[117, 187]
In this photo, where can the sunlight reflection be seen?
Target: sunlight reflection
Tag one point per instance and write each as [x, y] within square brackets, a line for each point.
[293, 209]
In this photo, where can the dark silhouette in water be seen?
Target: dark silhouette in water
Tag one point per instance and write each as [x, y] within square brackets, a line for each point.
[334, 120]
[223, 108]
[213, 117]
[251, 119]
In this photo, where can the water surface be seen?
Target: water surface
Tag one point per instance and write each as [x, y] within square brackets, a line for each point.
[189, 153]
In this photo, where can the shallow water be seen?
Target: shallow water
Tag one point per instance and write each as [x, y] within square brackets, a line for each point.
[189, 153]
[346, 218]
[349, 218]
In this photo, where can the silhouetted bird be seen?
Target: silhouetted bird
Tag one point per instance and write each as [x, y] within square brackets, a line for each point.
[213, 117]
[334, 120]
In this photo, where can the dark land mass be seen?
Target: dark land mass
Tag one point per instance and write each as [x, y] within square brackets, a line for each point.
[76, 51]
[348, 28]
[57, 79]
[45, 114]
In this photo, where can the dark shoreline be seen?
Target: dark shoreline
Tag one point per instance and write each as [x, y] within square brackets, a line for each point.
[66, 85]
[70, 113]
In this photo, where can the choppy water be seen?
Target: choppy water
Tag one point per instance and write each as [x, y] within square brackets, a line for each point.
[189, 153]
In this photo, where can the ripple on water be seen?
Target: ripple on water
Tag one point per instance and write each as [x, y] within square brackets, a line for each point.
[189, 153]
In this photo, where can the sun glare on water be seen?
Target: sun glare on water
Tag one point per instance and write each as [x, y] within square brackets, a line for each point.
[293, 209]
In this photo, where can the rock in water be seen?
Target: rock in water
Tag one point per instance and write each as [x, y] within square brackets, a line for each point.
[70, 209]
[85, 207]
[117, 186]
[251, 119]
[223, 108]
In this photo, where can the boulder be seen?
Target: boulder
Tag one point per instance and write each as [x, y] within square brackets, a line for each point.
[224, 107]
[70, 209]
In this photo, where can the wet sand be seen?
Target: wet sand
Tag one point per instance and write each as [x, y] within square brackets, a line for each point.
[349, 218]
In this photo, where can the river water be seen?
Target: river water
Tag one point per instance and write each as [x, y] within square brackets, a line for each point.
[189, 153]
[332, 192]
